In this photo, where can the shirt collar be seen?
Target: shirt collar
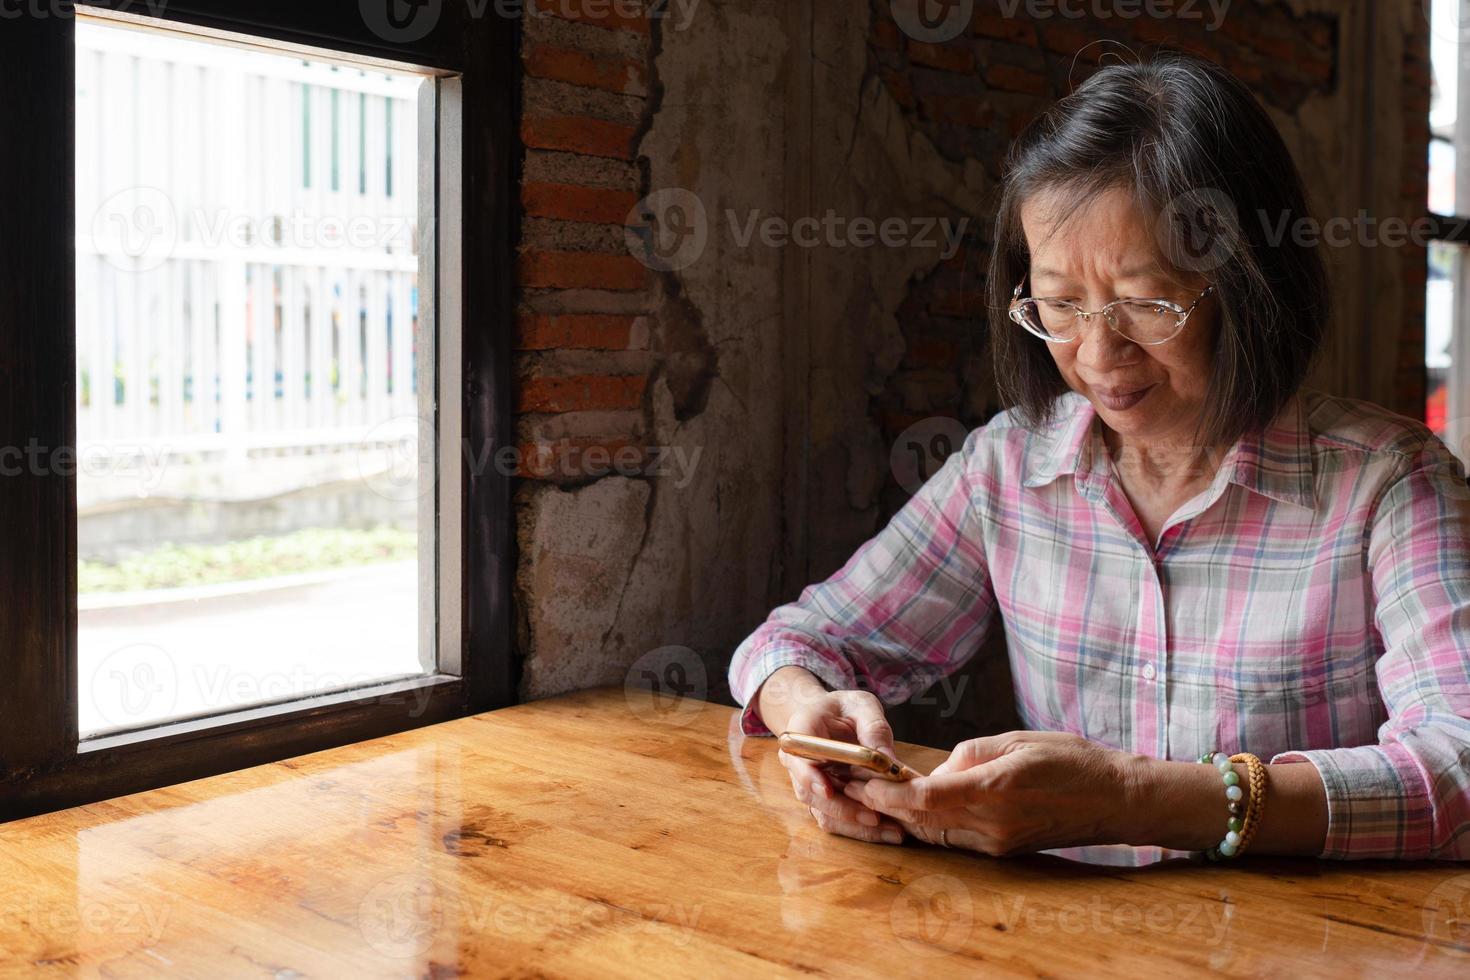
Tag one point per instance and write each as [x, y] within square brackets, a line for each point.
[1275, 462]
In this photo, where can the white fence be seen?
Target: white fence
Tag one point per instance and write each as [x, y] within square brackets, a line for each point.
[246, 248]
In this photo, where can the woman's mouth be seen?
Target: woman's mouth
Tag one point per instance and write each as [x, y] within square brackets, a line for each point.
[1121, 399]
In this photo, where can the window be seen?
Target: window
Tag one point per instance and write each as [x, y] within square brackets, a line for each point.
[241, 517]
[1446, 333]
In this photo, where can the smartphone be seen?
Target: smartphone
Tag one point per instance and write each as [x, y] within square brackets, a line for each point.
[845, 753]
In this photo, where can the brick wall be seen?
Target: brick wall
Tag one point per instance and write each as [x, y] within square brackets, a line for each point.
[972, 94]
[582, 341]
[612, 357]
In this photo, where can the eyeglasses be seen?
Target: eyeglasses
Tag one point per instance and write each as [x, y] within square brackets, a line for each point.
[1143, 321]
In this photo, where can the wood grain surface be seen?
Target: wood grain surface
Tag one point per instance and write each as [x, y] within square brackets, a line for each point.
[613, 833]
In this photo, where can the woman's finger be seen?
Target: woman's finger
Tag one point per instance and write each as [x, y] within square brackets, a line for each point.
[869, 722]
[945, 791]
[886, 833]
[930, 819]
[839, 806]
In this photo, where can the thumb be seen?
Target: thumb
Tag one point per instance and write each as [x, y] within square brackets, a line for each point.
[874, 731]
[971, 753]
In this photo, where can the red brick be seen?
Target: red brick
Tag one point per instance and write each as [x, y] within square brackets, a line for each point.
[1247, 71]
[959, 303]
[959, 110]
[606, 14]
[1276, 48]
[1013, 79]
[900, 87]
[946, 57]
[1319, 32]
[573, 458]
[1071, 41]
[573, 134]
[581, 393]
[581, 270]
[569, 202]
[1022, 118]
[931, 352]
[580, 68]
[1315, 69]
[886, 35]
[1005, 28]
[573, 332]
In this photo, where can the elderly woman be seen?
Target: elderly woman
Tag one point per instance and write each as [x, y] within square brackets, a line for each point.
[1194, 558]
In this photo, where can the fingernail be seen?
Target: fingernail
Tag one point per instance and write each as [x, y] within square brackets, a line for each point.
[869, 818]
[892, 837]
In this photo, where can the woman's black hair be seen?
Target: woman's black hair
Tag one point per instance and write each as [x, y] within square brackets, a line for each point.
[1203, 159]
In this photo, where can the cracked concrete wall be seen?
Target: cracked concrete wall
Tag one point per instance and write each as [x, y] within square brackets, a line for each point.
[781, 374]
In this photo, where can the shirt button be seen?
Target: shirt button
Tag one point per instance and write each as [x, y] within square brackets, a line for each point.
[1148, 672]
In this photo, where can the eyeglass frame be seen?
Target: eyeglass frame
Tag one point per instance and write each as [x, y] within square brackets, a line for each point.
[1015, 314]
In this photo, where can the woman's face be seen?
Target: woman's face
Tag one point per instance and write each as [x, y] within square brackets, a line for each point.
[1106, 251]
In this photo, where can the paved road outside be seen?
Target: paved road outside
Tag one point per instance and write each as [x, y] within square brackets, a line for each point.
[145, 664]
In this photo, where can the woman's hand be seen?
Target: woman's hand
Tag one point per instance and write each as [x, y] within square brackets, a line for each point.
[1014, 793]
[790, 704]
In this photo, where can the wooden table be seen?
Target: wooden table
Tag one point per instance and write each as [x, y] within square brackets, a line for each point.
[612, 833]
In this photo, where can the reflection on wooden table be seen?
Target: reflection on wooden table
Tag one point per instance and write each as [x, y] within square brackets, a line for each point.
[610, 832]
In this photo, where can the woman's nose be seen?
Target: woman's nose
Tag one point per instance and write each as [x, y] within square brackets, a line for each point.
[1100, 346]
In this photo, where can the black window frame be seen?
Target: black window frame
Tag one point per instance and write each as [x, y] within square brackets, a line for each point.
[43, 766]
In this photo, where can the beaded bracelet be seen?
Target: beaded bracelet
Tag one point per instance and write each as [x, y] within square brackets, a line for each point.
[1244, 814]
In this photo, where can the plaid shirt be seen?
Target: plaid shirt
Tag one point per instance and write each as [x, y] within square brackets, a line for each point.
[1312, 605]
